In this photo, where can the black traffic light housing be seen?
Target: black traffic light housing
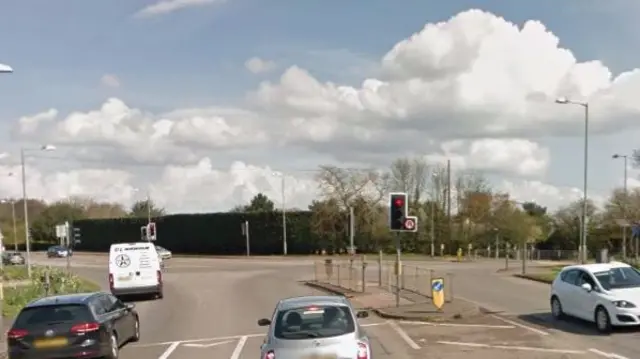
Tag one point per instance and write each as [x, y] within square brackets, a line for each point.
[398, 210]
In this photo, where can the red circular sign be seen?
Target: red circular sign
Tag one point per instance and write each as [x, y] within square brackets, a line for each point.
[409, 224]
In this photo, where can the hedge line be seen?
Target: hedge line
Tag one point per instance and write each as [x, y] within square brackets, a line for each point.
[211, 233]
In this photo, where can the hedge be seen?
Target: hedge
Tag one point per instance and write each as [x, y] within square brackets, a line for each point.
[210, 233]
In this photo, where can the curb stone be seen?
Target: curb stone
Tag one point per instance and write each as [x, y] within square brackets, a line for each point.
[381, 312]
[533, 279]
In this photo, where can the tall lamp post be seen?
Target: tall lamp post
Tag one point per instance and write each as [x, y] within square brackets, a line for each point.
[583, 233]
[284, 212]
[24, 200]
[624, 205]
[148, 199]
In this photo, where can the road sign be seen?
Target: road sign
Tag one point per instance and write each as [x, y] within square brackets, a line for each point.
[437, 292]
[61, 231]
[409, 224]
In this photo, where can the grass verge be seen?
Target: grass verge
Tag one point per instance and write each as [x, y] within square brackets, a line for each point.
[15, 298]
[15, 273]
[546, 276]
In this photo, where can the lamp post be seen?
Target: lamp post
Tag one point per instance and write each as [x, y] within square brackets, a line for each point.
[624, 205]
[24, 200]
[148, 199]
[583, 233]
[432, 229]
[284, 212]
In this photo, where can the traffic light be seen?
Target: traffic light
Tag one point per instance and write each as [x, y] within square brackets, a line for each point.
[151, 231]
[76, 235]
[143, 233]
[397, 211]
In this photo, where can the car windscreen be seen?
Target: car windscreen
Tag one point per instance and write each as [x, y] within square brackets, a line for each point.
[52, 314]
[313, 322]
[618, 278]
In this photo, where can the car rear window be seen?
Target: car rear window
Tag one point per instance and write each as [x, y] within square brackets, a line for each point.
[314, 322]
[50, 314]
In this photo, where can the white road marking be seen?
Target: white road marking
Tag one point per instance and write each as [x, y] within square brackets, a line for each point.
[239, 347]
[461, 325]
[403, 335]
[508, 347]
[169, 350]
[607, 355]
[215, 344]
[526, 327]
[228, 337]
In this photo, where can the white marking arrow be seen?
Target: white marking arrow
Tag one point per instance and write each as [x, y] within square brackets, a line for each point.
[196, 345]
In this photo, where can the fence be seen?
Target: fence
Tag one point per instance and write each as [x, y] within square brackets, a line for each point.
[358, 275]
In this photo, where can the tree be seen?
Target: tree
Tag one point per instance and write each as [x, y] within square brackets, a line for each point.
[43, 227]
[260, 203]
[142, 209]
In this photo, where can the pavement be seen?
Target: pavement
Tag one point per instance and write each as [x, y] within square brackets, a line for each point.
[211, 306]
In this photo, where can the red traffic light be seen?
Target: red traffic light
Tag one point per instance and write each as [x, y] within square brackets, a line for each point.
[399, 202]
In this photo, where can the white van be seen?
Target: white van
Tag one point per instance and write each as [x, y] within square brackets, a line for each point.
[134, 268]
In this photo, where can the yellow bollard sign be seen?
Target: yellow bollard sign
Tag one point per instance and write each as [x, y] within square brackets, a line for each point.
[437, 292]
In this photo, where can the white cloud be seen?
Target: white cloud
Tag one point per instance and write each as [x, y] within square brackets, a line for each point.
[5, 68]
[163, 7]
[110, 80]
[472, 89]
[257, 65]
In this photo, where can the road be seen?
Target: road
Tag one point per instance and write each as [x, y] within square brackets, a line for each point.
[211, 307]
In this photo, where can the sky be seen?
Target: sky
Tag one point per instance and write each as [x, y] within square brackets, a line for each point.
[201, 104]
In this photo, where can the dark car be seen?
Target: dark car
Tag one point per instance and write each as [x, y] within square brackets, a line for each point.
[12, 258]
[58, 252]
[85, 325]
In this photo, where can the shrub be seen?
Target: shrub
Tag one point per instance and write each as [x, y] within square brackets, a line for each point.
[60, 282]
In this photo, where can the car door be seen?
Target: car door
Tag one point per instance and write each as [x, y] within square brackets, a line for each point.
[120, 317]
[565, 290]
[586, 301]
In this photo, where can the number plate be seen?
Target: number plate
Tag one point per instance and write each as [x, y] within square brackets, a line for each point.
[50, 343]
[124, 278]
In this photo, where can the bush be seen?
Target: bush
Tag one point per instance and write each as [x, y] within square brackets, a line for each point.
[61, 282]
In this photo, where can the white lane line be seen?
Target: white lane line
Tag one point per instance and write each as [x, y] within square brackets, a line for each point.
[507, 347]
[460, 325]
[196, 345]
[607, 355]
[526, 327]
[403, 335]
[169, 350]
[197, 340]
[239, 347]
[373, 324]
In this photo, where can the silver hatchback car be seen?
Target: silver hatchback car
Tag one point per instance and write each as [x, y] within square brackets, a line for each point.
[315, 327]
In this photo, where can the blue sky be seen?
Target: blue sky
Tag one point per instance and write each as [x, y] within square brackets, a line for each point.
[195, 56]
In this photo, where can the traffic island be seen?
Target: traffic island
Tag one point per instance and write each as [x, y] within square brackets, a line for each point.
[544, 275]
[413, 307]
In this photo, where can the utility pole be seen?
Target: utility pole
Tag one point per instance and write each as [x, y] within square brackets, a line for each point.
[351, 231]
[449, 201]
[284, 219]
[432, 227]
[148, 207]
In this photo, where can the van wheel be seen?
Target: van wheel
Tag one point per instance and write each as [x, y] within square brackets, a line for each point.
[159, 295]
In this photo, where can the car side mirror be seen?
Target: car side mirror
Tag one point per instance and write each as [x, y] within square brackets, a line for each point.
[362, 314]
[130, 306]
[264, 322]
[587, 287]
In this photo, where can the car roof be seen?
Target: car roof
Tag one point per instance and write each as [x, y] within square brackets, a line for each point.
[319, 300]
[76, 298]
[597, 267]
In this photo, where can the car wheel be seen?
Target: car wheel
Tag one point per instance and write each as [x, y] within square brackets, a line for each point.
[136, 331]
[556, 308]
[114, 348]
[603, 321]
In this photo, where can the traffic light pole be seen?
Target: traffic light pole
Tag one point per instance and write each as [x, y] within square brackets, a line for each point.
[398, 268]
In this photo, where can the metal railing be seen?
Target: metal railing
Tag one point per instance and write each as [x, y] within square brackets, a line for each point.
[358, 275]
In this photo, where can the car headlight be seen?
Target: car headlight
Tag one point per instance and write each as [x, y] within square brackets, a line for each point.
[623, 304]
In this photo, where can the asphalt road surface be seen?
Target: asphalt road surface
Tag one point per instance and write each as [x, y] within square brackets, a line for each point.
[211, 307]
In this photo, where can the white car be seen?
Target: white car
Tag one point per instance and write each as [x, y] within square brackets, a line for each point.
[607, 294]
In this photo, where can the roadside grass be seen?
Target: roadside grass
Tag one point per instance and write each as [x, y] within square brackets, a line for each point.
[15, 273]
[545, 276]
[16, 297]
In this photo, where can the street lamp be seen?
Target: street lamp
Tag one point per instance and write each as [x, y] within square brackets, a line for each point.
[284, 213]
[582, 249]
[24, 200]
[624, 206]
[433, 220]
[135, 190]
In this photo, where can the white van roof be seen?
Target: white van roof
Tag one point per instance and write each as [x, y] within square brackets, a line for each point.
[132, 246]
